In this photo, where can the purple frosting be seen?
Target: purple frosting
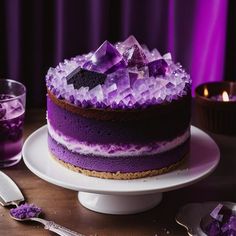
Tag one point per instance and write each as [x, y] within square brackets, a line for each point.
[25, 211]
[135, 77]
[122, 163]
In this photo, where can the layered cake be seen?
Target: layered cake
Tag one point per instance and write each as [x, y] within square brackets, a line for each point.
[120, 112]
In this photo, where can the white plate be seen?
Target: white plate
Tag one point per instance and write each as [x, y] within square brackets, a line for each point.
[204, 157]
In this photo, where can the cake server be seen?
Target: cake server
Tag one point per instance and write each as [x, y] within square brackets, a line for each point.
[10, 194]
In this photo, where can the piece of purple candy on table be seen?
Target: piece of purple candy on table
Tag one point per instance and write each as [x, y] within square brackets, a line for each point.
[25, 211]
[229, 233]
[215, 214]
[213, 229]
[220, 222]
[230, 226]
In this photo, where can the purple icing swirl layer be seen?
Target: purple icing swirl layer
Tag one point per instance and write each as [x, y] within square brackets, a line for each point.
[124, 164]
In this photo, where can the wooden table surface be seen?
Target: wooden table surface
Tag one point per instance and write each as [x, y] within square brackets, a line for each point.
[61, 205]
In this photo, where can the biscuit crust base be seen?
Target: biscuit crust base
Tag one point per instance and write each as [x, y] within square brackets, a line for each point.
[119, 175]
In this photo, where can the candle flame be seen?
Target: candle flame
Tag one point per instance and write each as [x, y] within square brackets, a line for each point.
[225, 96]
[205, 92]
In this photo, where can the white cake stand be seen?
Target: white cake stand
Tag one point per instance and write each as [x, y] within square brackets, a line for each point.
[121, 196]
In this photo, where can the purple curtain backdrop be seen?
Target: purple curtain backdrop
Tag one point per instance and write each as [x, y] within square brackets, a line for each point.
[38, 34]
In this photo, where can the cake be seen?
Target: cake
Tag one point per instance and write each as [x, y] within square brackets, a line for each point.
[120, 112]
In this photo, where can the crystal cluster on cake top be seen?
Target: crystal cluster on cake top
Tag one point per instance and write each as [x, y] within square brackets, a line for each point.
[120, 76]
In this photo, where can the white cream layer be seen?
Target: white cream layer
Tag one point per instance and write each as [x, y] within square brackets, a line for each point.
[110, 150]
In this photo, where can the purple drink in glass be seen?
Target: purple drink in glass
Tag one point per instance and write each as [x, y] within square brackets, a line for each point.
[12, 111]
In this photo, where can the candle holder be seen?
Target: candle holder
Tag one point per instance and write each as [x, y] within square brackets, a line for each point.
[213, 113]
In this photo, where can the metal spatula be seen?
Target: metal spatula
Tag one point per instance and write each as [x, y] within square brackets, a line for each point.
[10, 194]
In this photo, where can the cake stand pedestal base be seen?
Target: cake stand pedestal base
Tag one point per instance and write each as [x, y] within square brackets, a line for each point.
[119, 204]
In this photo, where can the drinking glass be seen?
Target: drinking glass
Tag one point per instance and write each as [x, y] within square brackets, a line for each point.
[12, 112]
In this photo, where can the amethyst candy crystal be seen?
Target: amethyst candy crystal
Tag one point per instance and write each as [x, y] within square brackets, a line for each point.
[128, 43]
[132, 52]
[229, 227]
[84, 78]
[105, 60]
[25, 211]
[135, 56]
[220, 222]
[157, 67]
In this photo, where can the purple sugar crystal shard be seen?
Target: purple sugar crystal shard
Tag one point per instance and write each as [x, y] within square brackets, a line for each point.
[84, 78]
[153, 55]
[221, 221]
[210, 226]
[72, 98]
[230, 225]
[132, 52]
[133, 77]
[215, 214]
[157, 67]
[118, 66]
[226, 213]
[106, 59]
[213, 229]
[230, 232]
[128, 43]
[170, 85]
[135, 56]
[25, 211]
[97, 93]
[139, 86]
[131, 40]
[120, 78]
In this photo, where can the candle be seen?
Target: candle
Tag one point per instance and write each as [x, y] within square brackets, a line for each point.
[206, 93]
[216, 107]
[225, 97]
